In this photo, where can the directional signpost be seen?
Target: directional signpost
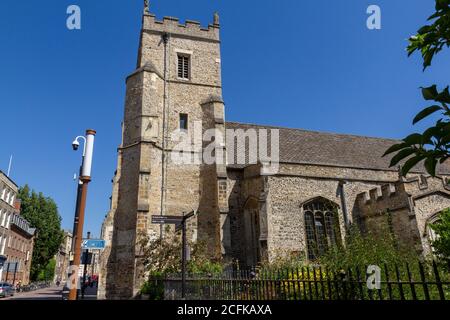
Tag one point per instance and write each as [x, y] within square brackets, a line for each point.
[93, 244]
[180, 224]
[87, 257]
[167, 219]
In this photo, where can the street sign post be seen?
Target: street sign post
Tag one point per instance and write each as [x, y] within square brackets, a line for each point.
[167, 219]
[93, 244]
[180, 224]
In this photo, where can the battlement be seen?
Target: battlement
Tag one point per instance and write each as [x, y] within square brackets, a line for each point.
[190, 29]
[378, 194]
[411, 187]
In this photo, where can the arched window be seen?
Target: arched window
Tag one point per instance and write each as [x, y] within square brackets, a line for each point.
[432, 236]
[321, 226]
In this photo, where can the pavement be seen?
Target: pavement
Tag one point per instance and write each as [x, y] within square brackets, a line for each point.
[51, 293]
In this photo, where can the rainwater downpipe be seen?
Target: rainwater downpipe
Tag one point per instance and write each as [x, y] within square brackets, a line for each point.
[165, 39]
[343, 203]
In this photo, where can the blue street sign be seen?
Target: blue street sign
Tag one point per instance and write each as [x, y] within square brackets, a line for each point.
[93, 244]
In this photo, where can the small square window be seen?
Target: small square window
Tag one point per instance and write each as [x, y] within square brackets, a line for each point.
[183, 67]
[183, 121]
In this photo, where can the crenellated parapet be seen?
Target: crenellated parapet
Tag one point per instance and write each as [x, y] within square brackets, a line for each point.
[398, 195]
[379, 200]
[402, 207]
[379, 194]
[190, 28]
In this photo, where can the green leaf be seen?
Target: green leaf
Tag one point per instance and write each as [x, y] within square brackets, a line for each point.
[430, 165]
[429, 133]
[395, 147]
[413, 139]
[445, 140]
[444, 96]
[435, 15]
[401, 155]
[411, 164]
[426, 112]
[424, 29]
[430, 93]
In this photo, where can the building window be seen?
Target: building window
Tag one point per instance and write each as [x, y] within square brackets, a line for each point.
[2, 240]
[183, 121]
[432, 236]
[183, 66]
[8, 221]
[3, 193]
[321, 227]
[4, 217]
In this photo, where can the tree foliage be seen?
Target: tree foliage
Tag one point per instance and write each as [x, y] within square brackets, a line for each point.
[161, 256]
[48, 272]
[442, 229]
[432, 38]
[42, 213]
[433, 145]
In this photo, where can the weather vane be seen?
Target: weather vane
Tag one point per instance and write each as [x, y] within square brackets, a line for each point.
[146, 6]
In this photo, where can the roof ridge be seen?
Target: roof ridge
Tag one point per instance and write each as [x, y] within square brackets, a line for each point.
[315, 131]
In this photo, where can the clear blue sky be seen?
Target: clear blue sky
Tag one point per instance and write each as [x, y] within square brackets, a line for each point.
[290, 63]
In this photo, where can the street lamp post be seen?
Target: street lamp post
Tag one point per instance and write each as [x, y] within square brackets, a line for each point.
[85, 178]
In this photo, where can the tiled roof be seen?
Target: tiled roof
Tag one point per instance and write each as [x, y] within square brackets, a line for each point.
[320, 148]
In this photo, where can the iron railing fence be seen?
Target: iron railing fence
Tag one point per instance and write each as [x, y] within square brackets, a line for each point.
[408, 282]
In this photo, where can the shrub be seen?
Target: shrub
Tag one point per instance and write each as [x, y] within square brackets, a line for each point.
[154, 287]
[442, 244]
[362, 250]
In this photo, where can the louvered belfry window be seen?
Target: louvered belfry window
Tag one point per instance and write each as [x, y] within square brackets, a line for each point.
[183, 67]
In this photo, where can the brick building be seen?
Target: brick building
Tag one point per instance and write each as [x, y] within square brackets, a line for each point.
[8, 194]
[63, 258]
[247, 210]
[16, 235]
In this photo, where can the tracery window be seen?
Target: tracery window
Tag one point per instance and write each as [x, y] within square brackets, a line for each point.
[321, 226]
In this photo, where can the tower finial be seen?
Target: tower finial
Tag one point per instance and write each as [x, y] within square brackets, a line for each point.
[146, 6]
[216, 20]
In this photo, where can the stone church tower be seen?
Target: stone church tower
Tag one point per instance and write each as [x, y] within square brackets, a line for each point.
[176, 88]
[323, 184]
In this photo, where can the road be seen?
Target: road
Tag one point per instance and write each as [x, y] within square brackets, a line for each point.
[52, 293]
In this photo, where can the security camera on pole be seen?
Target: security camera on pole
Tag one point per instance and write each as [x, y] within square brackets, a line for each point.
[85, 178]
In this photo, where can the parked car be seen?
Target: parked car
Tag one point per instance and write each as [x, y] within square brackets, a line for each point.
[6, 289]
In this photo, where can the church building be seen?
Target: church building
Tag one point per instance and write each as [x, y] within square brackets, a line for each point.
[246, 210]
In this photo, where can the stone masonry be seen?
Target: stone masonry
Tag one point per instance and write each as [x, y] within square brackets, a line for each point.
[150, 183]
[246, 213]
